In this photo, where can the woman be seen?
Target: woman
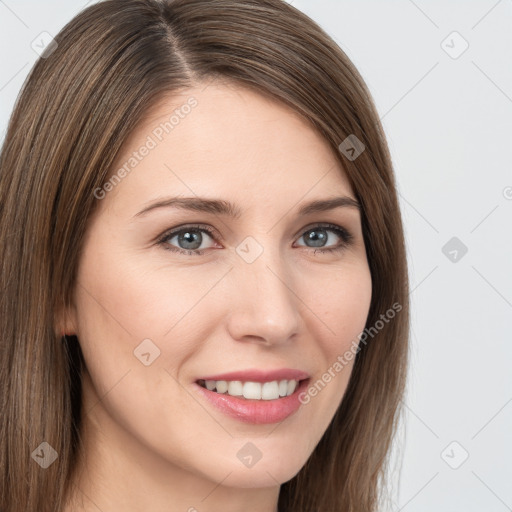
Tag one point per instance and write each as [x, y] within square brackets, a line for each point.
[205, 297]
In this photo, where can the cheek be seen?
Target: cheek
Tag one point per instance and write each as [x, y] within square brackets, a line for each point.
[343, 301]
[123, 301]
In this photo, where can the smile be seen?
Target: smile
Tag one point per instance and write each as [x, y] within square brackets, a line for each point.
[254, 396]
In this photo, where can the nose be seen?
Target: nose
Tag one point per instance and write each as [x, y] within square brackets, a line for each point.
[264, 304]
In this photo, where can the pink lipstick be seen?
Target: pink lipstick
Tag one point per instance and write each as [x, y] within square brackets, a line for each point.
[255, 396]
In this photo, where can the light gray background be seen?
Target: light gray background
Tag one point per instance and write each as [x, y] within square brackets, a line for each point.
[449, 127]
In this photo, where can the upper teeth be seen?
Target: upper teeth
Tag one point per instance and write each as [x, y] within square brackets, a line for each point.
[253, 390]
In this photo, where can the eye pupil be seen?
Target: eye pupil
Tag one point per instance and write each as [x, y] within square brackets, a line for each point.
[317, 236]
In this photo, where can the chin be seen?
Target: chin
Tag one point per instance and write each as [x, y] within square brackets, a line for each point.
[261, 476]
[274, 468]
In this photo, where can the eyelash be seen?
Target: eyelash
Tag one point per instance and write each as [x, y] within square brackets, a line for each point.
[346, 238]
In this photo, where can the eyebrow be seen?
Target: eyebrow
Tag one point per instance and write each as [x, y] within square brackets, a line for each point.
[225, 208]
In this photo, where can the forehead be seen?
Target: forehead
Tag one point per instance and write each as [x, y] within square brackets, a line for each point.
[220, 139]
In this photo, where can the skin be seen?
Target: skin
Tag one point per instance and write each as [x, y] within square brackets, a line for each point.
[151, 442]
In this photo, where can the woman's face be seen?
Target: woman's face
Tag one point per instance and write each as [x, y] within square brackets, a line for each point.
[171, 296]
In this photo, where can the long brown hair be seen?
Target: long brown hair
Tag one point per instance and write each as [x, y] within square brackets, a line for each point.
[80, 102]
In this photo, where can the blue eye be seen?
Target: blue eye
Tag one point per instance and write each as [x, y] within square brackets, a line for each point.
[318, 236]
[191, 238]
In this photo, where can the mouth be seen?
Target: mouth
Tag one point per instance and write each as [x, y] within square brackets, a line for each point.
[254, 396]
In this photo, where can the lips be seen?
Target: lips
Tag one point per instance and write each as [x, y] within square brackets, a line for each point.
[255, 396]
[260, 375]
